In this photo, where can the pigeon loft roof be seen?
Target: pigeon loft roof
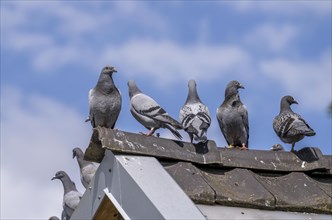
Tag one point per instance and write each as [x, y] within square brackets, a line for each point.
[217, 180]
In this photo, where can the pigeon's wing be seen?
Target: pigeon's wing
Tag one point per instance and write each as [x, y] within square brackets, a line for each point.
[91, 103]
[205, 118]
[146, 106]
[187, 121]
[117, 114]
[244, 114]
[296, 125]
[222, 124]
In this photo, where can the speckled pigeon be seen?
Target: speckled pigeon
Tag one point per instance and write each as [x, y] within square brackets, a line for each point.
[194, 115]
[289, 126]
[71, 196]
[232, 117]
[149, 113]
[104, 100]
[277, 147]
[87, 168]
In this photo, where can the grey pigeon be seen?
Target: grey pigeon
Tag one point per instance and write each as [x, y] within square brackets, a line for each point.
[53, 218]
[149, 113]
[87, 168]
[232, 117]
[289, 126]
[277, 147]
[104, 100]
[194, 115]
[71, 196]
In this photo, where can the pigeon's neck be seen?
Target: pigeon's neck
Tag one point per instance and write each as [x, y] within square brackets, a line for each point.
[192, 95]
[285, 106]
[230, 92]
[133, 90]
[68, 185]
[106, 83]
[82, 163]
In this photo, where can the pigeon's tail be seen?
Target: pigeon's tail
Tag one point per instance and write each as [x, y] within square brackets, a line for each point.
[174, 131]
[173, 122]
[202, 138]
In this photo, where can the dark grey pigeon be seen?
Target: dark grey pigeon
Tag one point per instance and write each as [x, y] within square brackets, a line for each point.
[104, 100]
[71, 196]
[148, 112]
[232, 117]
[194, 115]
[289, 126]
[87, 168]
[53, 218]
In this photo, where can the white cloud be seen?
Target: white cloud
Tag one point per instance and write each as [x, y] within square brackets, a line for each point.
[37, 138]
[291, 8]
[166, 61]
[272, 37]
[55, 34]
[307, 81]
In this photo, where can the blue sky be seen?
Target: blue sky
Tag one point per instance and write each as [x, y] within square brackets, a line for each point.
[52, 54]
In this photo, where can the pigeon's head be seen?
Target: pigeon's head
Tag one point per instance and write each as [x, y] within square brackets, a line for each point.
[109, 70]
[133, 89]
[277, 147]
[191, 83]
[131, 83]
[59, 175]
[77, 152]
[289, 99]
[232, 88]
[235, 84]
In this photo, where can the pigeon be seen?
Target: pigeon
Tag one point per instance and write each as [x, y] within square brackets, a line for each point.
[289, 126]
[277, 147]
[194, 115]
[53, 218]
[87, 168]
[232, 117]
[149, 113]
[71, 196]
[104, 100]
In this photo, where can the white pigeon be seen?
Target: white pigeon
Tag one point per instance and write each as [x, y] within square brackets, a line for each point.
[149, 113]
[194, 115]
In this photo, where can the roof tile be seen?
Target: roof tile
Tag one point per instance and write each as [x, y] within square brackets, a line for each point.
[295, 191]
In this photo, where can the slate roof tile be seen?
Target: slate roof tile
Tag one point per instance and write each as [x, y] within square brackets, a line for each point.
[295, 191]
[300, 181]
[197, 188]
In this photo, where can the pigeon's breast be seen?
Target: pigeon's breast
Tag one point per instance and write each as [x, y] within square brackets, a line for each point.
[72, 199]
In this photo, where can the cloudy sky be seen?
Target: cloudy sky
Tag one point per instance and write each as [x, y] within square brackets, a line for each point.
[52, 53]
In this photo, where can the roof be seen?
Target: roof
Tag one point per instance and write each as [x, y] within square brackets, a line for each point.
[270, 180]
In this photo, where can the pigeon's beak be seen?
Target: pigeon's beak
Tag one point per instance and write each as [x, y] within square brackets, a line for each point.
[295, 102]
[74, 154]
[241, 86]
[114, 70]
[53, 178]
